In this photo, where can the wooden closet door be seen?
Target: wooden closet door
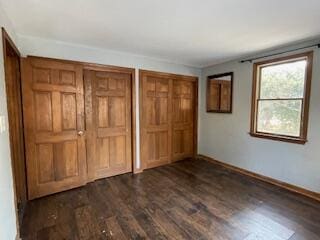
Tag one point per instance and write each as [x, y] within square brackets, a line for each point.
[156, 128]
[53, 110]
[183, 119]
[108, 110]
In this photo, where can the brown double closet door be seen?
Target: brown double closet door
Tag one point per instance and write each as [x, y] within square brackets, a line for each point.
[168, 111]
[77, 124]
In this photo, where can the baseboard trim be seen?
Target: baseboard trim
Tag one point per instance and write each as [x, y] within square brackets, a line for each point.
[137, 170]
[287, 186]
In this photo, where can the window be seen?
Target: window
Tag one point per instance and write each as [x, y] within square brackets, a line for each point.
[280, 101]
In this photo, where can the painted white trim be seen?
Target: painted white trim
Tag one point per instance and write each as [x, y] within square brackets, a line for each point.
[138, 163]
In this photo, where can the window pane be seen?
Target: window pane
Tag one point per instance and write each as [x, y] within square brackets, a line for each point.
[279, 117]
[283, 81]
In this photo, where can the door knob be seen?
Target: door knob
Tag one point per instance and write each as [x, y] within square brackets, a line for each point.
[80, 133]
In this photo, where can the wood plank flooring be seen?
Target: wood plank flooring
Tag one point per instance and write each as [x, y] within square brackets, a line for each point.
[191, 199]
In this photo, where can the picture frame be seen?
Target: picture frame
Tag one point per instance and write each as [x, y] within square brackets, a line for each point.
[220, 93]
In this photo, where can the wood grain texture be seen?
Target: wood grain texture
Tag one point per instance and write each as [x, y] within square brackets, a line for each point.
[57, 114]
[219, 93]
[191, 199]
[109, 122]
[168, 117]
[11, 58]
[183, 116]
[53, 110]
[156, 122]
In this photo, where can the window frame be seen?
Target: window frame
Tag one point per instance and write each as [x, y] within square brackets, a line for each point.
[302, 139]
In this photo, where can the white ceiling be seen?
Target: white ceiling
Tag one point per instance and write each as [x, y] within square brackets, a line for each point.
[192, 32]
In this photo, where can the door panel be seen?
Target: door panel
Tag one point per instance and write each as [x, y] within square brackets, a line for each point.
[183, 119]
[108, 104]
[53, 114]
[167, 118]
[43, 111]
[156, 121]
[69, 113]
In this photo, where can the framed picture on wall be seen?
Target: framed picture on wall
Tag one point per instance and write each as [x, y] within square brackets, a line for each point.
[219, 93]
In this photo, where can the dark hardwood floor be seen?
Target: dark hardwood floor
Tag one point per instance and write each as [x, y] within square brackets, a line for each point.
[192, 199]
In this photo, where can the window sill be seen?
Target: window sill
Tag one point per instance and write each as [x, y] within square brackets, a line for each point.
[279, 138]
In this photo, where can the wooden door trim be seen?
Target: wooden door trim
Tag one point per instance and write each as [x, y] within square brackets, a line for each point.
[20, 193]
[172, 76]
[6, 37]
[6, 40]
[169, 75]
[90, 66]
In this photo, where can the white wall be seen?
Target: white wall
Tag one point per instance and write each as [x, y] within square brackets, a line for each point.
[225, 136]
[8, 227]
[221, 136]
[61, 50]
